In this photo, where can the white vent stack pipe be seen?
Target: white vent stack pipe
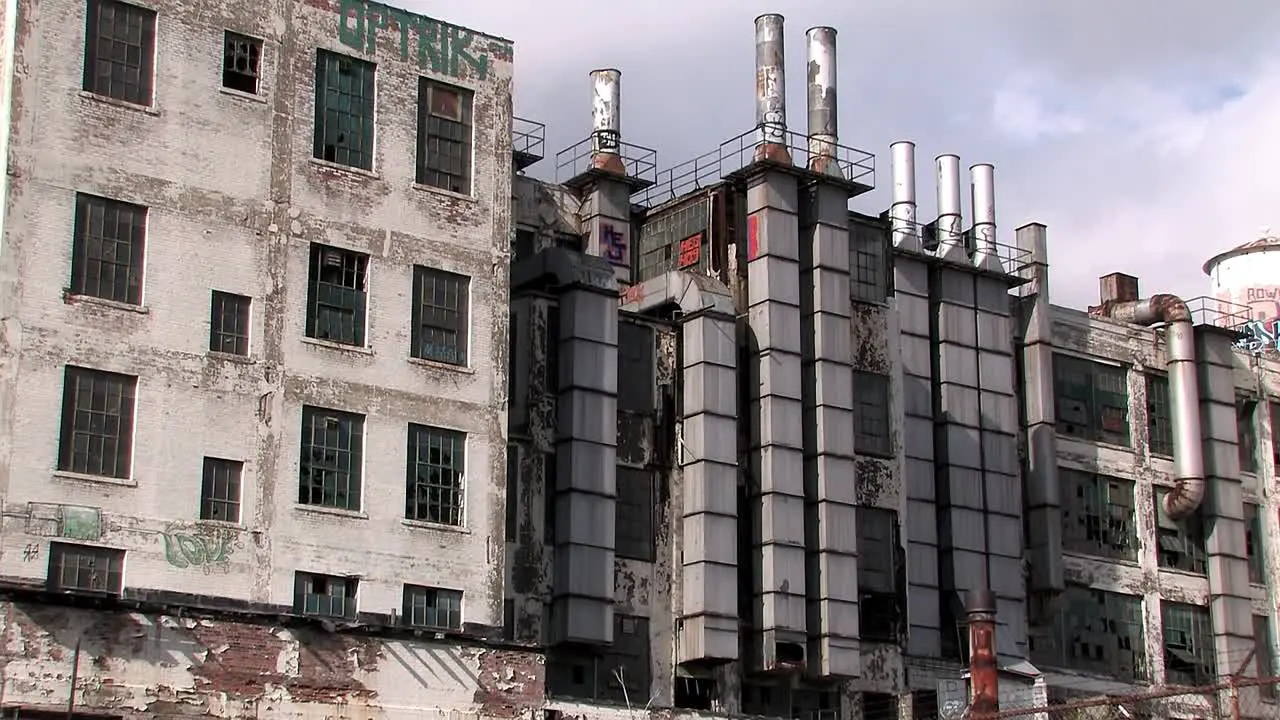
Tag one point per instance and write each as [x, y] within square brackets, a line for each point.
[902, 214]
[982, 197]
[606, 119]
[771, 90]
[949, 224]
[820, 44]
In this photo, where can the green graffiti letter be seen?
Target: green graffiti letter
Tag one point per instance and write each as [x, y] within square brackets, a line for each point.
[352, 37]
[459, 40]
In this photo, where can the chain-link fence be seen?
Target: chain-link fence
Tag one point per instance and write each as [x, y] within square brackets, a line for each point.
[1241, 699]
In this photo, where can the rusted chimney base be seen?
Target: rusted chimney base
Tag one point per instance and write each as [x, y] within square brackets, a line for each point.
[984, 669]
[825, 165]
[609, 162]
[772, 152]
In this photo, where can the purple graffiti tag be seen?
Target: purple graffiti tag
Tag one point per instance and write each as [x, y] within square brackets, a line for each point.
[614, 244]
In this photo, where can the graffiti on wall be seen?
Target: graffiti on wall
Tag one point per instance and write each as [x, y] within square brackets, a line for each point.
[614, 244]
[438, 46]
[690, 252]
[1263, 302]
[73, 522]
[205, 549]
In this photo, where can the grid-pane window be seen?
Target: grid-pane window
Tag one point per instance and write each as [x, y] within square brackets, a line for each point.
[337, 295]
[879, 604]
[444, 136]
[1253, 543]
[1092, 399]
[1159, 418]
[868, 250]
[1179, 544]
[1095, 631]
[1265, 652]
[1098, 517]
[1189, 658]
[633, 515]
[331, 458]
[428, 607]
[119, 51]
[220, 490]
[437, 462]
[241, 62]
[344, 110]
[85, 568]
[871, 401]
[324, 595]
[229, 323]
[97, 422]
[107, 249]
[1247, 434]
[440, 312]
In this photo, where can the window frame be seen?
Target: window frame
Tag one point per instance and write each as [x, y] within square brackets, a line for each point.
[436, 328]
[1265, 652]
[410, 607]
[1187, 533]
[461, 182]
[867, 442]
[354, 425]
[327, 295]
[144, 95]
[133, 220]
[1095, 428]
[359, 156]
[1247, 433]
[1254, 543]
[871, 243]
[1094, 489]
[241, 316]
[452, 510]
[304, 584]
[59, 551]
[233, 45]
[1159, 415]
[879, 603]
[1199, 634]
[121, 465]
[1105, 612]
[232, 496]
[634, 531]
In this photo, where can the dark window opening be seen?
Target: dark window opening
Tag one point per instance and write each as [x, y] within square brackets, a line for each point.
[1180, 544]
[1092, 400]
[1159, 417]
[636, 378]
[229, 323]
[784, 701]
[871, 400]
[1094, 631]
[869, 249]
[220, 490]
[509, 620]
[1247, 434]
[695, 692]
[435, 608]
[552, 379]
[85, 568]
[1275, 435]
[331, 458]
[444, 137]
[634, 509]
[1265, 654]
[97, 422]
[924, 704]
[440, 306]
[549, 497]
[878, 706]
[621, 674]
[1189, 656]
[324, 595]
[107, 249]
[513, 492]
[119, 51]
[879, 602]
[344, 110]
[241, 62]
[1253, 544]
[1098, 515]
[437, 466]
[337, 295]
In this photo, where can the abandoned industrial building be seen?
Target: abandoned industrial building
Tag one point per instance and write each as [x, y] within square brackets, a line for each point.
[366, 421]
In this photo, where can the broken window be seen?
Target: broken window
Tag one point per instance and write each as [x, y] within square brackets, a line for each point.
[97, 422]
[513, 491]
[661, 237]
[1253, 544]
[1189, 657]
[85, 568]
[871, 401]
[1095, 631]
[107, 248]
[331, 458]
[344, 110]
[241, 62]
[1180, 544]
[229, 323]
[1264, 654]
[784, 701]
[324, 595]
[868, 247]
[433, 608]
[444, 136]
[220, 490]
[875, 706]
[1247, 434]
[441, 302]
[633, 525]
[1098, 515]
[1092, 399]
[437, 465]
[119, 51]
[621, 674]
[1159, 419]
[879, 604]
[337, 295]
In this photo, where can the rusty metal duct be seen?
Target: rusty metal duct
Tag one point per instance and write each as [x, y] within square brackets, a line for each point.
[982, 198]
[606, 120]
[902, 214]
[950, 233]
[823, 119]
[771, 90]
[1184, 393]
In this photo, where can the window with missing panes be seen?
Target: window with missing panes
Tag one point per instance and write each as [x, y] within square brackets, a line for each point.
[1098, 515]
[1179, 544]
[1092, 399]
[229, 323]
[1247, 434]
[868, 255]
[1159, 419]
[85, 568]
[337, 295]
[1189, 656]
[344, 110]
[444, 136]
[119, 51]
[437, 465]
[871, 407]
[1253, 544]
[97, 422]
[441, 302]
[331, 458]
[879, 604]
[107, 249]
[241, 62]
[1094, 631]
[220, 490]
[432, 608]
[324, 595]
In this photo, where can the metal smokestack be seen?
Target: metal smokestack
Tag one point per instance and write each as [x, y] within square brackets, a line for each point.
[982, 186]
[771, 91]
[902, 214]
[950, 232]
[606, 120]
[823, 119]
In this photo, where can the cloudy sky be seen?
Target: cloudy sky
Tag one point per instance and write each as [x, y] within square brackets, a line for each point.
[1144, 133]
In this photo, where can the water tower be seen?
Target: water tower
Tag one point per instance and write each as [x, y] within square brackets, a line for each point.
[1248, 276]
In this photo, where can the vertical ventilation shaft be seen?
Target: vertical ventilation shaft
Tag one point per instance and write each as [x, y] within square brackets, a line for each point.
[982, 187]
[950, 222]
[904, 227]
[606, 120]
[771, 91]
